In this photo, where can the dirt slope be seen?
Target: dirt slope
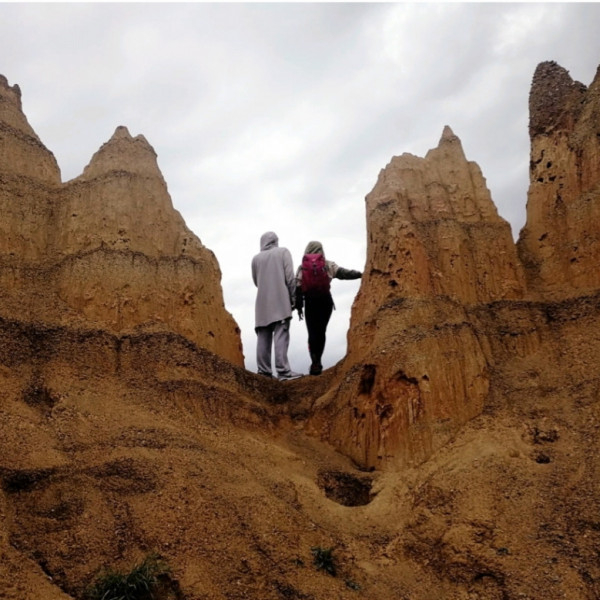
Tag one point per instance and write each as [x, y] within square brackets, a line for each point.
[100, 468]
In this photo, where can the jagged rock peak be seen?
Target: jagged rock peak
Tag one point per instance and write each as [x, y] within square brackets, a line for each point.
[13, 92]
[555, 99]
[23, 154]
[411, 211]
[121, 132]
[123, 153]
[442, 184]
[448, 135]
[449, 148]
[559, 244]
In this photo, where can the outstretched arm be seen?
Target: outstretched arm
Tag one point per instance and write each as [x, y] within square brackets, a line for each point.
[342, 273]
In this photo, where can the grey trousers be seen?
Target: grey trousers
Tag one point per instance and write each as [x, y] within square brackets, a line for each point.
[278, 335]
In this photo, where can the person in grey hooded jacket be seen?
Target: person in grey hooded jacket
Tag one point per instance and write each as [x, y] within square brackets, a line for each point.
[273, 275]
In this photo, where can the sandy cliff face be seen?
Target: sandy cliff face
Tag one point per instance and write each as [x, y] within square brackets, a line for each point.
[560, 243]
[417, 364]
[105, 250]
[447, 300]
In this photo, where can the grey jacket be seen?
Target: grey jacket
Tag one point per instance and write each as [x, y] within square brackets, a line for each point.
[273, 275]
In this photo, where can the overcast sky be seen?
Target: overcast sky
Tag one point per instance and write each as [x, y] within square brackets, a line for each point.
[279, 117]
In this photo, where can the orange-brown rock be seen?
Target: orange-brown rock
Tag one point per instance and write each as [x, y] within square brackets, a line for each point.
[29, 175]
[466, 413]
[106, 250]
[22, 154]
[434, 231]
[560, 243]
[417, 366]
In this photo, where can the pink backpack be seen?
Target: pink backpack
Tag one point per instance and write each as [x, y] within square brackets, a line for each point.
[315, 279]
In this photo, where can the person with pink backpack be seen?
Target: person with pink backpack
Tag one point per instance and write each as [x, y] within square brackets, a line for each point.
[314, 300]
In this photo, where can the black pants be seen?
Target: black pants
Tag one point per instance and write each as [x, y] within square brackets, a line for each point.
[317, 312]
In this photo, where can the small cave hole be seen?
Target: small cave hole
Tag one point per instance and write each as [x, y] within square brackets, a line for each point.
[367, 379]
[39, 397]
[346, 489]
[402, 376]
[542, 458]
[24, 480]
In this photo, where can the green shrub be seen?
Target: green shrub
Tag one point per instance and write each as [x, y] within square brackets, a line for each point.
[140, 583]
[323, 560]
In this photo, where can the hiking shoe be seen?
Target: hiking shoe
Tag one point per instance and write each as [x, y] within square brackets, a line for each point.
[288, 376]
[264, 374]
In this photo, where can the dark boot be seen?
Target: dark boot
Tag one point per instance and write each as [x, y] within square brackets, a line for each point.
[316, 368]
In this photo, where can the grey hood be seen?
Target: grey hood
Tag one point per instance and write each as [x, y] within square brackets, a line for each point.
[269, 240]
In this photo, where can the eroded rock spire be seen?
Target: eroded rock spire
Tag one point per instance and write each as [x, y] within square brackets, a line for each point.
[560, 242]
[106, 250]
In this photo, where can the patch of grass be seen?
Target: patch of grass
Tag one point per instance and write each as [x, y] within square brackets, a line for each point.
[352, 585]
[323, 560]
[141, 583]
